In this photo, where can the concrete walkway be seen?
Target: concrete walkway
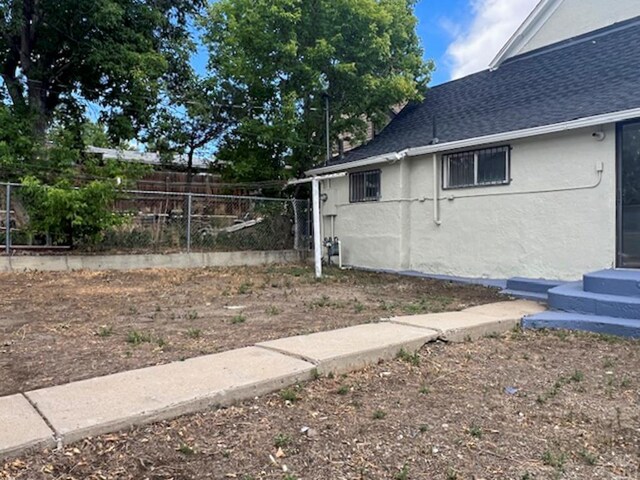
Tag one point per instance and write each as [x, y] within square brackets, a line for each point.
[66, 413]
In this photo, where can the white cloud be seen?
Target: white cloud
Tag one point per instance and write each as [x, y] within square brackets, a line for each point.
[492, 24]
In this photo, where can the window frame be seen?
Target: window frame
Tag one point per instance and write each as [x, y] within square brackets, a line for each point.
[446, 165]
[363, 174]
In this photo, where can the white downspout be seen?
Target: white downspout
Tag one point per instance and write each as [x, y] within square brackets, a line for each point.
[436, 192]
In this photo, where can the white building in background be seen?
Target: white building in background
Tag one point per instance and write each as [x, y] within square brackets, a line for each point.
[530, 168]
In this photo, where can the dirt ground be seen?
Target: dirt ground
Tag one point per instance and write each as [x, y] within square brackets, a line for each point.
[532, 405]
[60, 327]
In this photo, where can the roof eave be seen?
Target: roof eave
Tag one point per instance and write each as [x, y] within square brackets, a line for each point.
[392, 157]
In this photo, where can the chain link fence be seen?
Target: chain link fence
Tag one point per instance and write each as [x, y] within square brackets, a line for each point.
[158, 221]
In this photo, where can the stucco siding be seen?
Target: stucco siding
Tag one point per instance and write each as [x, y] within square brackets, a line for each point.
[576, 17]
[496, 232]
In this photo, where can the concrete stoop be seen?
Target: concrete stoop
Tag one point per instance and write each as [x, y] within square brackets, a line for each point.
[66, 413]
[607, 301]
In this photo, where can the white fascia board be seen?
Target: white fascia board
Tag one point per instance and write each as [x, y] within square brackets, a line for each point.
[487, 139]
[387, 157]
[532, 25]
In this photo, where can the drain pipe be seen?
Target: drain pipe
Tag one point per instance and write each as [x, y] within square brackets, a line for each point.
[436, 192]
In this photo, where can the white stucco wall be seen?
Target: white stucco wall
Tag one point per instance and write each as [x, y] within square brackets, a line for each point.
[575, 17]
[517, 232]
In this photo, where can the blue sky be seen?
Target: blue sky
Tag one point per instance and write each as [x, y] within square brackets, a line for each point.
[433, 15]
[461, 36]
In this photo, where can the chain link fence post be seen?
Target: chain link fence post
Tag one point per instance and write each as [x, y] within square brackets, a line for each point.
[189, 206]
[7, 230]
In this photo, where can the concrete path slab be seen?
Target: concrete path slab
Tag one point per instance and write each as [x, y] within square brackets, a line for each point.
[351, 348]
[475, 322]
[105, 404]
[21, 427]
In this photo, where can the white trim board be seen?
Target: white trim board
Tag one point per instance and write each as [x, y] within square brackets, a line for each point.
[525, 32]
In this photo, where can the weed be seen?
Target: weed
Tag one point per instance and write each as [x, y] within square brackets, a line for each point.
[290, 476]
[452, 474]
[137, 338]
[245, 288]
[492, 335]
[475, 431]
[358, 307]
[555, 460]
[315, 374]
[161, 342]
[238, 319]
[414, 308]
[331, 375]
[273, 311]
[158, 308]
[608, 363]
[424, 390]
[403, 474]
[379, 414]
[194, 333]
[105, 331]
[526, 476]
[322, 302]
[281, 440]
[288, 395]
[186, 449]
[589, 457]
[412, 358]
[192, 315]
[424, 428]
[577, 376]
[133, 310]
[625, 383]
[343, 390]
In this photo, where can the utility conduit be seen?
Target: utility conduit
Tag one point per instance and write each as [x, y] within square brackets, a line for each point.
[488, 194]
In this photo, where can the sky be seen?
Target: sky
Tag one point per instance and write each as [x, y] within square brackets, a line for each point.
[463, 36]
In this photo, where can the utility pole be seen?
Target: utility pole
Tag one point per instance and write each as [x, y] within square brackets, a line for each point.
[327, 125]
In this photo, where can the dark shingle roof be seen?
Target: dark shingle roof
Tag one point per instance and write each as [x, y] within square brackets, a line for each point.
[593, 74]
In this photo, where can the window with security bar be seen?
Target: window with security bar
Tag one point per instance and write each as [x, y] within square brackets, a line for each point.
[487, 166]
[364, 186]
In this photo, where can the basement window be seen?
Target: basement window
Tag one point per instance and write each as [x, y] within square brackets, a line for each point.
[364, 186]
[488, 166]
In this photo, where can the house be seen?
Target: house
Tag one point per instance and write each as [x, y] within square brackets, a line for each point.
[529, 168]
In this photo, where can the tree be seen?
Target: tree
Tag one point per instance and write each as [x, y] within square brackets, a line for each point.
[284, 55]
[196, 114]
[57, 54]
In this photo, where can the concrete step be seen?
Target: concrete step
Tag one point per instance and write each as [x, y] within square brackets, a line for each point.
[572, 298]
[526, 295]
[533, 285]
[625, 282]
[591, 323]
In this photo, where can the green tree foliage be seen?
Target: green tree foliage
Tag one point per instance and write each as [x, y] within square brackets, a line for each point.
[69, 215]
[197, 113]
[283, 54]
[57, 54]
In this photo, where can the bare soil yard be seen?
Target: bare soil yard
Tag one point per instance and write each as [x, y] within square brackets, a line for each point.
[60, 327]
[572, 412]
